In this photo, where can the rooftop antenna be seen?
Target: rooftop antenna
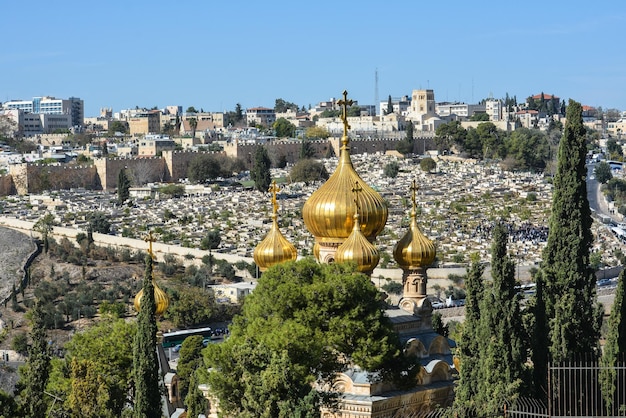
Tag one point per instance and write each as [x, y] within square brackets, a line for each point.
[376, 103]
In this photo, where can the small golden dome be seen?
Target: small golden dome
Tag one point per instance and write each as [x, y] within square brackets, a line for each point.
[327, 214]
[414, 250]
[161, 299]
[274, 248]
[358, 249]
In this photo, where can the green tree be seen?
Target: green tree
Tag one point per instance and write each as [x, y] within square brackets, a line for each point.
[99, 222]
[410, 131]
[204, 167]
[193, 124]
[191, 109]
[428, 164]
[238, 113]
[492, 140]
[189, 361]
[570, 284]
[296, 327]
[614, 347]
[308, 170]
[316, 132]
[35, 373]
[528, 149]
[282, 106]
[284, 128]
[391, 169]
[470, 342]
[389, 108]
[195, 401]
[100, 362]
[448, 134]
[405, 146]
[8, 406]
[479, 117]
[614, 150]
[306, 150]
[117, 126]
[503, 357]
[123, 186]
[191, 307]
[145, 363]
[603, 173]
[211, 240]
[260, 172]
[44, 226]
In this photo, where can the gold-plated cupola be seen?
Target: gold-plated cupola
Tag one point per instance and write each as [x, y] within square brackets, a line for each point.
[356, 247]
[161, 299]
[274, 248]
[328, 213]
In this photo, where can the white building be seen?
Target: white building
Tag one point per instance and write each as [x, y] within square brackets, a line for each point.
[74, 107]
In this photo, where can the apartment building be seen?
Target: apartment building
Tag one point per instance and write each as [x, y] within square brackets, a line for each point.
[47, 105]
[260, 116]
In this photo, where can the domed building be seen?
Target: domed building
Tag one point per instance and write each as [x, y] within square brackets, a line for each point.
[345, 215]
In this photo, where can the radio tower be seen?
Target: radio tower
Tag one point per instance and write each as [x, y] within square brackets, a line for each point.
[376, 93]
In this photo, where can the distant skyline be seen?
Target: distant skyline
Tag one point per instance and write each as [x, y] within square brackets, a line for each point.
[213, 55]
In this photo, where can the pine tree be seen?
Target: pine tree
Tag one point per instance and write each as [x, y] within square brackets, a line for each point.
[123, 186]
[570, 284]
[389, 106]
[470, 343]
[503, 357]
[195, 402]
[409, 131]
[614, 347]
[260, 173]
[145, 362]
[34, 375]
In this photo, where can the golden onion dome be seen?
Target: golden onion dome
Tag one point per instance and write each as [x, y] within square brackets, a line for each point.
[161, 300]
[274, 248]
[327, 214]
[414, 250]
[358, 249]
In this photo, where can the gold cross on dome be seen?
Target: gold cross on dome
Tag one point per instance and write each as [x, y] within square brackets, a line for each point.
[344, 103]
[274, 190]
[150, 239]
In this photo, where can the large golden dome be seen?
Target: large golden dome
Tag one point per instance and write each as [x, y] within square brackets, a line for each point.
[161, 299]
[358, 249]
[274, 248]
[414, 250]
[328, 213]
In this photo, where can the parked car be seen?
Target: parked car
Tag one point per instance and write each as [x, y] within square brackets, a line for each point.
[176, 348]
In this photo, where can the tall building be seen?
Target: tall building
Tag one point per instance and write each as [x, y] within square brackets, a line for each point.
[52, 106]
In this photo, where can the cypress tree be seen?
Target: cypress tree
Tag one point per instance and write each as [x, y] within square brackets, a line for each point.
[389, 106]
[34, 376]
[145, 362]
[614, 348]
[570, 284]
[123, 186]
[502, 355]
[470, 341]
[260, 173]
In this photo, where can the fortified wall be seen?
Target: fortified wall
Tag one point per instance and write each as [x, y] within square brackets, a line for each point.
[138, 170]
[6, 185]
[36, 178]
[177, 163]
[173, 165]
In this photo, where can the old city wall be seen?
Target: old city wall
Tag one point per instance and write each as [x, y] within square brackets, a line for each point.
[275, 150]
[6, 185]
[177, 163]
[139, 170]
[36, 178]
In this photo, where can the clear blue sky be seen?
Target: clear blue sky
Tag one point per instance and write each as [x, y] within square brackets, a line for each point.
[214, 54]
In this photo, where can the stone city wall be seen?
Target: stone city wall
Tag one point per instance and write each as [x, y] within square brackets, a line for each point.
[36, 178]
[6, 185]
[140, 171]
[275, 149]
[177, 162]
